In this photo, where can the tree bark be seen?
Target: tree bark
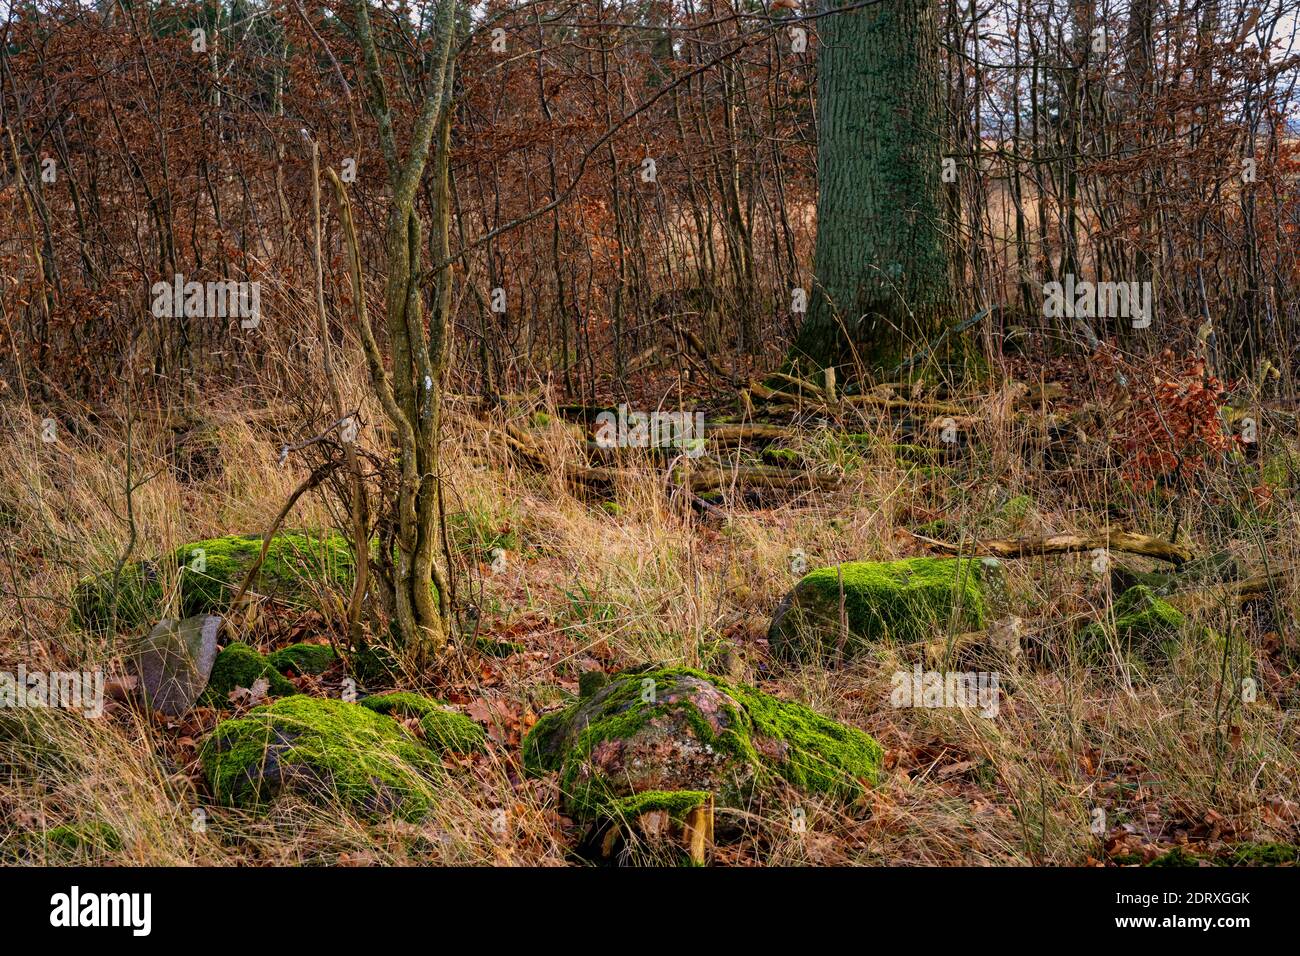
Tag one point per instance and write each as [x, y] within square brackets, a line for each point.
[882, 278]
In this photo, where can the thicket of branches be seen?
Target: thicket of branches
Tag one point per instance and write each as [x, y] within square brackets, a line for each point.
[1144, 141]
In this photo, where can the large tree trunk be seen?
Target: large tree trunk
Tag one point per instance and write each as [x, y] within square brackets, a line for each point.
[882, 279]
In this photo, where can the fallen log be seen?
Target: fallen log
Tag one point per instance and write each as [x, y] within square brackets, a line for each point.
[1125, 541]
[767, 476]
[1234, 593]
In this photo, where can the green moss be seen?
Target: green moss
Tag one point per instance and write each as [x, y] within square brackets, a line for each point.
[612, 508]
[444, 730]
[239, 665]
[1017, 508]
[541, 747]
[1241, 854]
[823, 755]
[693, 731]
[375, 664]
[1176, 857]
[303, 658]
[782, 457]
[320, 747]
[94, 836]
[591, 681]
[1143, 622]
[676, 803]
[210, 573]
[1261, 854]
[1280, 468]
[905, 601]
[541, 419]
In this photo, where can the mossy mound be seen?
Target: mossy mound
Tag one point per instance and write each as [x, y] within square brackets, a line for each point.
[444, 730]
[210, 573]
[782, 457]
[905, 601]
[239, 665]
[1144, 624]
[92, 837]
[303, 658]
[675, 729]
[320, 748]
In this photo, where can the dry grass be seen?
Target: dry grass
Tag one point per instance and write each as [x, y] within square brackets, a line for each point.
[1169, 752]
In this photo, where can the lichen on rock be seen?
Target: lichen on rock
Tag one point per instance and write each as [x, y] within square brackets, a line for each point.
[904, 601]
[321, 748]
[673, 729]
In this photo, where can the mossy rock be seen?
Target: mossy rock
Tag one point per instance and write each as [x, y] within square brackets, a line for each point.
[1279, 469]
[1218, 568]
[1017, 508]
[210, 572]
[672, 729]
[782, 457]
[444, 730]
[905, 601]
[311, 659]
[321, 749]
[1144, 625]
[95, 837]
[239, 665]
[375, 664]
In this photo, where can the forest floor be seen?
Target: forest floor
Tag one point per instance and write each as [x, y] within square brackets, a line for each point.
[1088, 761]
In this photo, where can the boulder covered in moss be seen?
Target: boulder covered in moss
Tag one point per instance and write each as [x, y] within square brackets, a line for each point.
[239, 665]
[208, 574]
[444, 729]
[673, 729]
[905, 601]
[311, 659]
[1144, 624]
[325, 750]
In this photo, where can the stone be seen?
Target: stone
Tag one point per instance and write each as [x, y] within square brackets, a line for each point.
[175, 661]
[674, 729]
